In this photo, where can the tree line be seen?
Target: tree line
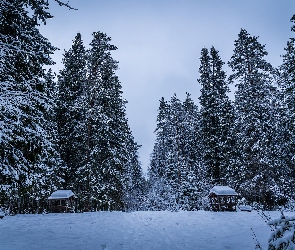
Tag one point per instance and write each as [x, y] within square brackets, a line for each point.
[247, 143]
[69, 133]
[70, 130]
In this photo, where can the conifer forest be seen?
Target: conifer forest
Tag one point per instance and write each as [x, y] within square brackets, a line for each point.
[69, 129]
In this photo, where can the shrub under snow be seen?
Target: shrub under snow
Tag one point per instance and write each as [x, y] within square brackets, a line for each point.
[283, 236]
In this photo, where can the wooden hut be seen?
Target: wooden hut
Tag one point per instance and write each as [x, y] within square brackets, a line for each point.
[223, 198]
[62, 201]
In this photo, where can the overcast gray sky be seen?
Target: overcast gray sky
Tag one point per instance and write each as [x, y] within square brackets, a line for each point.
[159, 44]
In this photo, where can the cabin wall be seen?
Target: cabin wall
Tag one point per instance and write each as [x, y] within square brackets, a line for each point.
[62, 205]
[223, 202]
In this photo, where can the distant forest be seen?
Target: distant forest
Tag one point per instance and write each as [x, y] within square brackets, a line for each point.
[70, 131]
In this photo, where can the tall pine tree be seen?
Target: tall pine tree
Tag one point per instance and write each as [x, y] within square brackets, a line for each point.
[216, 116]
[71, 114]
[27, 151]
[176, 175]
[287, 71]
[111, 150]
[255, 172]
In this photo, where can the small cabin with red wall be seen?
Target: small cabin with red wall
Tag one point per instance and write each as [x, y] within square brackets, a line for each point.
[62, 201]
[223, 198]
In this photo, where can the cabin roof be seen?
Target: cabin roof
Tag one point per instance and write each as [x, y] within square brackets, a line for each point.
[223, 190]
[61, 194]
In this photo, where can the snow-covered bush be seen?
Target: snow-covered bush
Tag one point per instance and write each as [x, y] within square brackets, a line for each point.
[290, 206]
[242, 202]
[2, 214]
[283, 236]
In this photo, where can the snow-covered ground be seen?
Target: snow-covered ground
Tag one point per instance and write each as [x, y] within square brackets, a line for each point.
[136, 230]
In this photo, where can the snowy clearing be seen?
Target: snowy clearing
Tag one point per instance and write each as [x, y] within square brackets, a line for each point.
[136, 230]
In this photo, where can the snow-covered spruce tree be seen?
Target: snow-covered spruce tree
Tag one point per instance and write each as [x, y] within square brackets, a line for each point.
[216, 116]
[256, 173]
[159, 154]
[26, 149]
[54, 177]
[194, 182]
[134, 183]
[174, 168]
[108, 133]
[71, 114]
[158, 160]
[287, 71]
[175, 159]
[282, 181]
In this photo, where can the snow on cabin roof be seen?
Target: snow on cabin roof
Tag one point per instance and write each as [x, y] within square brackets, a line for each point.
[223, 190]
[61, 194]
